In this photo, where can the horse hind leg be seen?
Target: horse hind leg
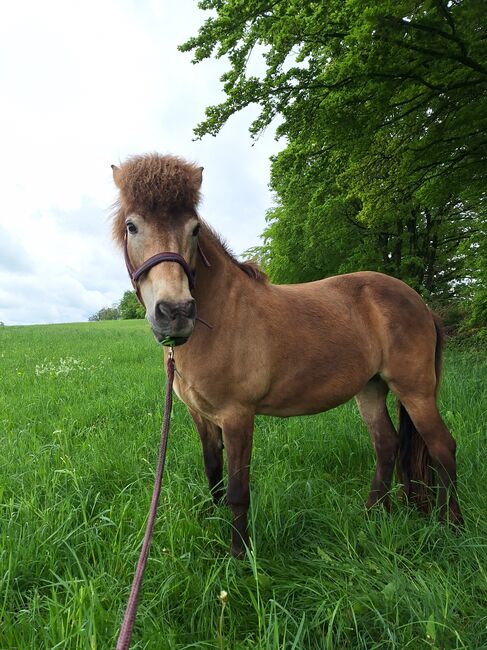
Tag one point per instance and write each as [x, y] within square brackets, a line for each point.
[371, 402]
[441, 449]
[413, 374]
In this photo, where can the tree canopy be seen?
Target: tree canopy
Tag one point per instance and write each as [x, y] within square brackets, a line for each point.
[383, 110]
[128, 308]
[105, 313]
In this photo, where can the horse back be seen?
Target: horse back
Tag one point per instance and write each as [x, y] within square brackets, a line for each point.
[332, 336]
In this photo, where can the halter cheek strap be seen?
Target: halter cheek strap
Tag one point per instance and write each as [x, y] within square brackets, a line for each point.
[136, 273]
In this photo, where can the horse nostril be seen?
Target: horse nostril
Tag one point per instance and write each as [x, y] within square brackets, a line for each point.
[191, 309]
[163, 310]
[167, 311]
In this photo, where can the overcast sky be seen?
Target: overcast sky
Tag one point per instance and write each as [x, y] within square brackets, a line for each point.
[83, 85]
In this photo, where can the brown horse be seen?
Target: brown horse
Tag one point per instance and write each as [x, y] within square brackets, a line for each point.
[281, 350]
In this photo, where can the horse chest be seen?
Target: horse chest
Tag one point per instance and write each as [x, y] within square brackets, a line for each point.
[193, 396]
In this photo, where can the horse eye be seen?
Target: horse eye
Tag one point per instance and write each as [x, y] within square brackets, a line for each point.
[196, 230]
[131, 227]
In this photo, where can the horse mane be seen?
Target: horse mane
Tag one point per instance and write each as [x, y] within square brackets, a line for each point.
[249, 267]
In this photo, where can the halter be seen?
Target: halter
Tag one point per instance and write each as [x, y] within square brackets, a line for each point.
[136, 273]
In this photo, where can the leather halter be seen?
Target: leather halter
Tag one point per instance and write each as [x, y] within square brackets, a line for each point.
[136, 273]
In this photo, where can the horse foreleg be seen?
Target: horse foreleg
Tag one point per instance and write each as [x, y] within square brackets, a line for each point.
[238, 443]
[372, 406]
[211, 441]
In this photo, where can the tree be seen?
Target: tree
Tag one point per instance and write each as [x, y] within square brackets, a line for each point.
[361, 69]
[477, 307]
[320, 229]
[129, 307]
[105, 313]
[383, 106]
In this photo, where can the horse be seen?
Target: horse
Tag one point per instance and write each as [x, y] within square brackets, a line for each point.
[245, 346]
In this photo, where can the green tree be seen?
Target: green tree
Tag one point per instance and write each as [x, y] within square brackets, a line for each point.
[129, 307]
[105, 313]
[383, 108]
[477, 316]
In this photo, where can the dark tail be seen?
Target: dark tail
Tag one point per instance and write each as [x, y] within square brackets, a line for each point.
[414, 462]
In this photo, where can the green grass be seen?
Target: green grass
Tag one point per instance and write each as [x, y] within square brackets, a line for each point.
[79, 441]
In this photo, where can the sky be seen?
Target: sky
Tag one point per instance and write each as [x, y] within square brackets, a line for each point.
[84, 85]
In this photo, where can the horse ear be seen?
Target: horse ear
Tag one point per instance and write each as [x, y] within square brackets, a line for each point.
[116, 175]
[199, 176]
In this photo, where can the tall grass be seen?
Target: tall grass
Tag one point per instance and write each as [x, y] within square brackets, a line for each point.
[80, 411]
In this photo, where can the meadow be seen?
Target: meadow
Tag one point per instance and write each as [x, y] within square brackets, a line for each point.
[80, 413]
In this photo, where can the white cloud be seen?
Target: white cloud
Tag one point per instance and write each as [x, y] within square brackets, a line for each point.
[84, 85]
[13, 257]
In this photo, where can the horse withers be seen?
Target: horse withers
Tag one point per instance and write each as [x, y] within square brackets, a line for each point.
[280, 349]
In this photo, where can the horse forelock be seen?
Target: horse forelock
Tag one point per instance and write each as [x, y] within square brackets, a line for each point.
[155, 184]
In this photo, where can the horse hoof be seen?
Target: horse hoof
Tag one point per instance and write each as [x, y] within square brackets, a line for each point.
[456, 522]
[219, 499]
[237, 551]
[382, 502]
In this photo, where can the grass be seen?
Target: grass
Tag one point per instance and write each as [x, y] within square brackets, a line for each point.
[79, 428]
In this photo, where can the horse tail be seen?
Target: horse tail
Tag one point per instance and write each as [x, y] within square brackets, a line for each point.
[414, 461]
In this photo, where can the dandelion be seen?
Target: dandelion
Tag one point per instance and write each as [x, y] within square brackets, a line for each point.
[223, 598]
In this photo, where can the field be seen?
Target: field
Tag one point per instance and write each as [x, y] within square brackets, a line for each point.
[80, 412]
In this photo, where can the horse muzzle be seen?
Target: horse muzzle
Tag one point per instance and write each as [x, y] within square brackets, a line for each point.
[174, 320]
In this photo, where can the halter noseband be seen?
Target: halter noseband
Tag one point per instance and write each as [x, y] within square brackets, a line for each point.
[136, 273]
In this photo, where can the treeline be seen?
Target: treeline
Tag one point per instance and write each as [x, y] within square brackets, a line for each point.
[382, 109]
[128, 308]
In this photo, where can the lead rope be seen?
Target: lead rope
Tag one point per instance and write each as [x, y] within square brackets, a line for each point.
[131, 611]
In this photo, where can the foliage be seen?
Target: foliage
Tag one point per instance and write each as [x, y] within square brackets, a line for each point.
[129, 307]
[383, 107]
[106, 313]
[477, 317]
[76, 475]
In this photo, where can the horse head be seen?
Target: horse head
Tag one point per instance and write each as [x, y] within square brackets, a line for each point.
[156, 221]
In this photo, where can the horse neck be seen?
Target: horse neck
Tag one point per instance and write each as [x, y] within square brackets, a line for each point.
[219, 284]
[221, 290]
[220, 275]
